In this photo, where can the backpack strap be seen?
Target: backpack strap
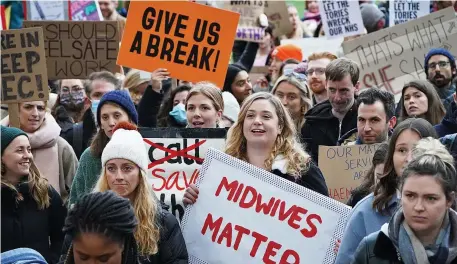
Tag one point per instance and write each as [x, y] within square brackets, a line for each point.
[78, 138]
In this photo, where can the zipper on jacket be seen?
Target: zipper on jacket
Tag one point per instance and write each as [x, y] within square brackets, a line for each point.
[339, 129]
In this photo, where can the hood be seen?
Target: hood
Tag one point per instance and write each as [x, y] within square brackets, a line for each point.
[321, 111]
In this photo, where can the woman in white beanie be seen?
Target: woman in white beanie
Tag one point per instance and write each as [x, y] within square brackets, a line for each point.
[158, 234]
[231, 110]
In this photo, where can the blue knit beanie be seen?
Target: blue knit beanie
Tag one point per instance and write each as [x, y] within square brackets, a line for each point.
[438, 51]
[121, 98]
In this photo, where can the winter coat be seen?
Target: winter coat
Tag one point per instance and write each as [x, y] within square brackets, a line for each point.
[450, 142]
[363, 221]
[447, 95]
[149, 107]
[311, 179]
[323, 128]
[26, 226]
[172, 247]
[80, 135]
[62, 117]
[449, 123]
[86, 176]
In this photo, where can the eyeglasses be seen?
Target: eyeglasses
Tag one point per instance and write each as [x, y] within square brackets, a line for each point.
[441, 65]
[318, 71]
[73, 89]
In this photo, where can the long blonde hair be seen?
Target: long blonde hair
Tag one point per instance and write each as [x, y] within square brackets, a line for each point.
[286, 143]
[39, 187]
[147, 234]
[131, 82]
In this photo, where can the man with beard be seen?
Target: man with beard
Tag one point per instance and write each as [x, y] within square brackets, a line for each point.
[317, 62]
[71, 103]
[440, 68]
[375, 118]
[109, 13]
[328, 121]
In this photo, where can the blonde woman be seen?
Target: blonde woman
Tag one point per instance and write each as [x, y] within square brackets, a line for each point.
[294, 94]
[158, 234]
[265, 136]
[136, 84]
[32, 211]
[204, 106]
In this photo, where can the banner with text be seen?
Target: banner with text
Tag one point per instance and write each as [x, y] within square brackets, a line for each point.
[245, 214]
[47, 10]
[75, 49]
[175, 158]
[401, 11]
[23, 72]
[85, 10]
[248, 28]
[341, 18]
[192, 41]
[344, 167]
[278, 17]
[391, 57]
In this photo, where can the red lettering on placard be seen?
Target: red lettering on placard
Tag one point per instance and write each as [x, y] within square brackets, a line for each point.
[230, 231]
[340, 194]
[172, 182]
[250, 198]
[378, 79]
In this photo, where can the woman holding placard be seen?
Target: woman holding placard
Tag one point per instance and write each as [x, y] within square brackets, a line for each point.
[423, 229]
[114, 107]
[53, 156]
[420, 99]
[265, 136]
[376, 209]
[32, 211]
[158, 234]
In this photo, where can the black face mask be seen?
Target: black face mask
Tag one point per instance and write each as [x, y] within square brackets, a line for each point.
[73, 101]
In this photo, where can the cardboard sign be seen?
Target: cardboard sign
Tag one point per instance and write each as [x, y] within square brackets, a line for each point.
[344, 168]
[247, 215]
[401, 11]
[278, 17]
[391, 57]
[341, 18]
[75, 49]
[47, 10]
[312, 45]
[248, 28]
[192, 41]
[175, 157]
[23, 66]
[85, 10]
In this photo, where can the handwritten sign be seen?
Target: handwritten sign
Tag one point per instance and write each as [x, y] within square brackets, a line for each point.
[247, 215]
[250, 10]
[23, 66]
[176, 156]
[341, 18]
[192, 41]
[391, 57]
[402, 11]
[278, 17]
[75, 49]
[47, 10]
[344, 167]
[85, 10]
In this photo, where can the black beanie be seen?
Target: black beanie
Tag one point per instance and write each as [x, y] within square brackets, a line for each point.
[232, 71]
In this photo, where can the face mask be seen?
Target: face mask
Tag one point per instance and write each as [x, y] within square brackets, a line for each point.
[179, 114]
[73, 101]
[94, 108]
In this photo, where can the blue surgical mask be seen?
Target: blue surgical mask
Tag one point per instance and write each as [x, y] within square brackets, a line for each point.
[179, 114]
[94, 108]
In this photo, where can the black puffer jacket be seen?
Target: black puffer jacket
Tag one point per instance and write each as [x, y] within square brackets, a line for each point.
[25, 226]
[322, 128]
[172, 248]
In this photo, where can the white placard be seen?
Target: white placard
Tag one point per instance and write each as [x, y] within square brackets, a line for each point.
[247, 215]
[47, 10]
[401, 11]
[312, 45]
[341, 18]
[175, 164]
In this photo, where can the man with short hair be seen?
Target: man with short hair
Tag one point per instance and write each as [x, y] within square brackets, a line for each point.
[440, 67]
[79, 135]
[328, 121]
[109, 13]
[317, 62]
[375, 118]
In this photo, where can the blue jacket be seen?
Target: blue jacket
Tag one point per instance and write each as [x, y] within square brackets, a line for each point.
[449, 123]
[363, 221]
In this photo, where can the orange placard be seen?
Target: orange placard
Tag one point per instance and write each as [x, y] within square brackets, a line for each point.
[192, 41]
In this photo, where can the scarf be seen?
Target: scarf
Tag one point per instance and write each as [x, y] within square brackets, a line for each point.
[45, 150]
[411, 250]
